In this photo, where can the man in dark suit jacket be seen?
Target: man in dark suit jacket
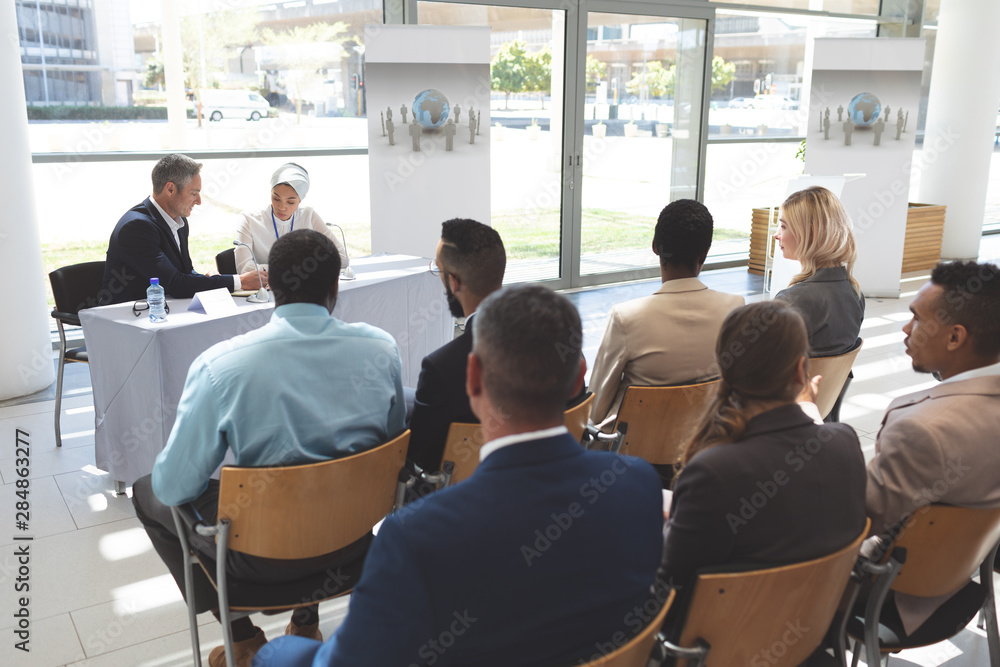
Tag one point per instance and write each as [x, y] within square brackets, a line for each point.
[151, 240]
[471, 259]
[545, 556]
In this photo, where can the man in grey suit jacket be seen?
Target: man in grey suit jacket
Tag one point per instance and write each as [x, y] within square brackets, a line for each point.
[669, 337]
[939, 445]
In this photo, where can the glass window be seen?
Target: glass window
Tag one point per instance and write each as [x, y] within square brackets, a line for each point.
[526, 109]
[760, 90]
[306, 60]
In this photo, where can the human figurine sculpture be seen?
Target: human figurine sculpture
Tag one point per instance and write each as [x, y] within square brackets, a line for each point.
[878, 127]
[458, 114]
[886, 116]
[848, 129]
[840, 113]
[826, 125]
[382, 118]
[906, 120]
[472, 128]
[388, 113]
[415, 131]
[402, 113]
[899, 124]
[390, 128]
[479, 117]
[449, 135]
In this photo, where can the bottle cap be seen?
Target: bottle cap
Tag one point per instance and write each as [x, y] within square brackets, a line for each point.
[154, 281]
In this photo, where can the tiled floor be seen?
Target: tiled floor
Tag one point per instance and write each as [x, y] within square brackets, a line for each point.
[101, 597]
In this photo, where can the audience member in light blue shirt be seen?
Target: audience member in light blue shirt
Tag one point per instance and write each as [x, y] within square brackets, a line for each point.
[305, 387]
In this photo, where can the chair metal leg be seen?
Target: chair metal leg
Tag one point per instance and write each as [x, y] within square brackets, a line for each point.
[189, 564]
[856, 652]
[59, 381]
[989, 610]
[221, 547]
[119, 487]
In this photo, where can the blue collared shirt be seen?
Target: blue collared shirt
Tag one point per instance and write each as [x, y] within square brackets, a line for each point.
[306, 387]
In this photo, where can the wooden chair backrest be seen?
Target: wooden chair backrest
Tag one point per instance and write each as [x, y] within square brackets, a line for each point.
[462, 448]
[834, 371]
[309, 510]
[577, 416]
[465, 440]
[637, 651]
[661, 419]
[944, 547]
[784, 611]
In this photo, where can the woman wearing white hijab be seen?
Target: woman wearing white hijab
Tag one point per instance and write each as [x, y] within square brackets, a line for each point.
[260, 229]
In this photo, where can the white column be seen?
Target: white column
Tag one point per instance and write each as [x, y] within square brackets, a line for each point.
[26, 352]
[961, 121]
[173, 72]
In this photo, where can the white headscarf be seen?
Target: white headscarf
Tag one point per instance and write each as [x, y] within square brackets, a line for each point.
[294, 176]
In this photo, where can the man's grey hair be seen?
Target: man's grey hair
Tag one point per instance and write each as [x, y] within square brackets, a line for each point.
[528, 340]
[175, 168]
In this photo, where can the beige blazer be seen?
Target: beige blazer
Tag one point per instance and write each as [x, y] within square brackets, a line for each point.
[663, 339]
[935, 446]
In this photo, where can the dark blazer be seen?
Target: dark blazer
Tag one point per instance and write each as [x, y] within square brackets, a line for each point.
[790, 490]
[539, 558]
[831, 308]
[143, 247]
[440, 400]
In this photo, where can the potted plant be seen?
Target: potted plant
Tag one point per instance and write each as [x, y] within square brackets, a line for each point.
[631, 129]
[662, 130]
[534, 130]
[599, 129]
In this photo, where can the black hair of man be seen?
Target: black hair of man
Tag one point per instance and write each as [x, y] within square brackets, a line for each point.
[971, 298]
[302, 267]
[174, 168]
[528, 340]
[474, 253]
[683, 233]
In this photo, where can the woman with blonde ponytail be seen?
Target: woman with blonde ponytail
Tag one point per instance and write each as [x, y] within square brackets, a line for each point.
[814, 229]
[762, 482]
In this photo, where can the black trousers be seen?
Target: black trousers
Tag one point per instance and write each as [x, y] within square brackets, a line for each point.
[158, 521]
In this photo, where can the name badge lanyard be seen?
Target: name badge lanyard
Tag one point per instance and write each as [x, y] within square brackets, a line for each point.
[275, 223]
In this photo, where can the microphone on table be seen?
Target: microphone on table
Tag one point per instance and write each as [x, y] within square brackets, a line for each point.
[261, 296]
[347, 273]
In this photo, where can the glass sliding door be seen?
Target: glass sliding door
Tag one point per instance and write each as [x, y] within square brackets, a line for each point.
[527, 110]
[642, 135]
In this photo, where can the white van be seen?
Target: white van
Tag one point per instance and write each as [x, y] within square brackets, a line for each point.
[246, 104]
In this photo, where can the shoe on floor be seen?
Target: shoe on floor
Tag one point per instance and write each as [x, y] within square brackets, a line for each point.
[308, 631]
[243, 651]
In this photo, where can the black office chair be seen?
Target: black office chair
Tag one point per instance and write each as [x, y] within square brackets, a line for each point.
[225, 262]
[74, 288]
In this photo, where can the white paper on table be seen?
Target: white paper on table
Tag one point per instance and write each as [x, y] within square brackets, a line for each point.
[213, 302]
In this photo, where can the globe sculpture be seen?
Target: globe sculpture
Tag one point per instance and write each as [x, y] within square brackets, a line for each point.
[431, 108]
[864, 109]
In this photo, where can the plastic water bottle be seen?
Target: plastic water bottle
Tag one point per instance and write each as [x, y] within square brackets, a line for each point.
[157, 300]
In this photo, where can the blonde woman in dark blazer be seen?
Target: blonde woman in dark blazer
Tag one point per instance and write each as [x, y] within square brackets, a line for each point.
[814, 229]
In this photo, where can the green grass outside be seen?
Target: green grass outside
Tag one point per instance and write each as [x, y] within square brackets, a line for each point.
[526, 235]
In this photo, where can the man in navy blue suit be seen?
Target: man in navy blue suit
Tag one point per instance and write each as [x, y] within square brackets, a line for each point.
[151, 241]
[471, 259]
[544, 556]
